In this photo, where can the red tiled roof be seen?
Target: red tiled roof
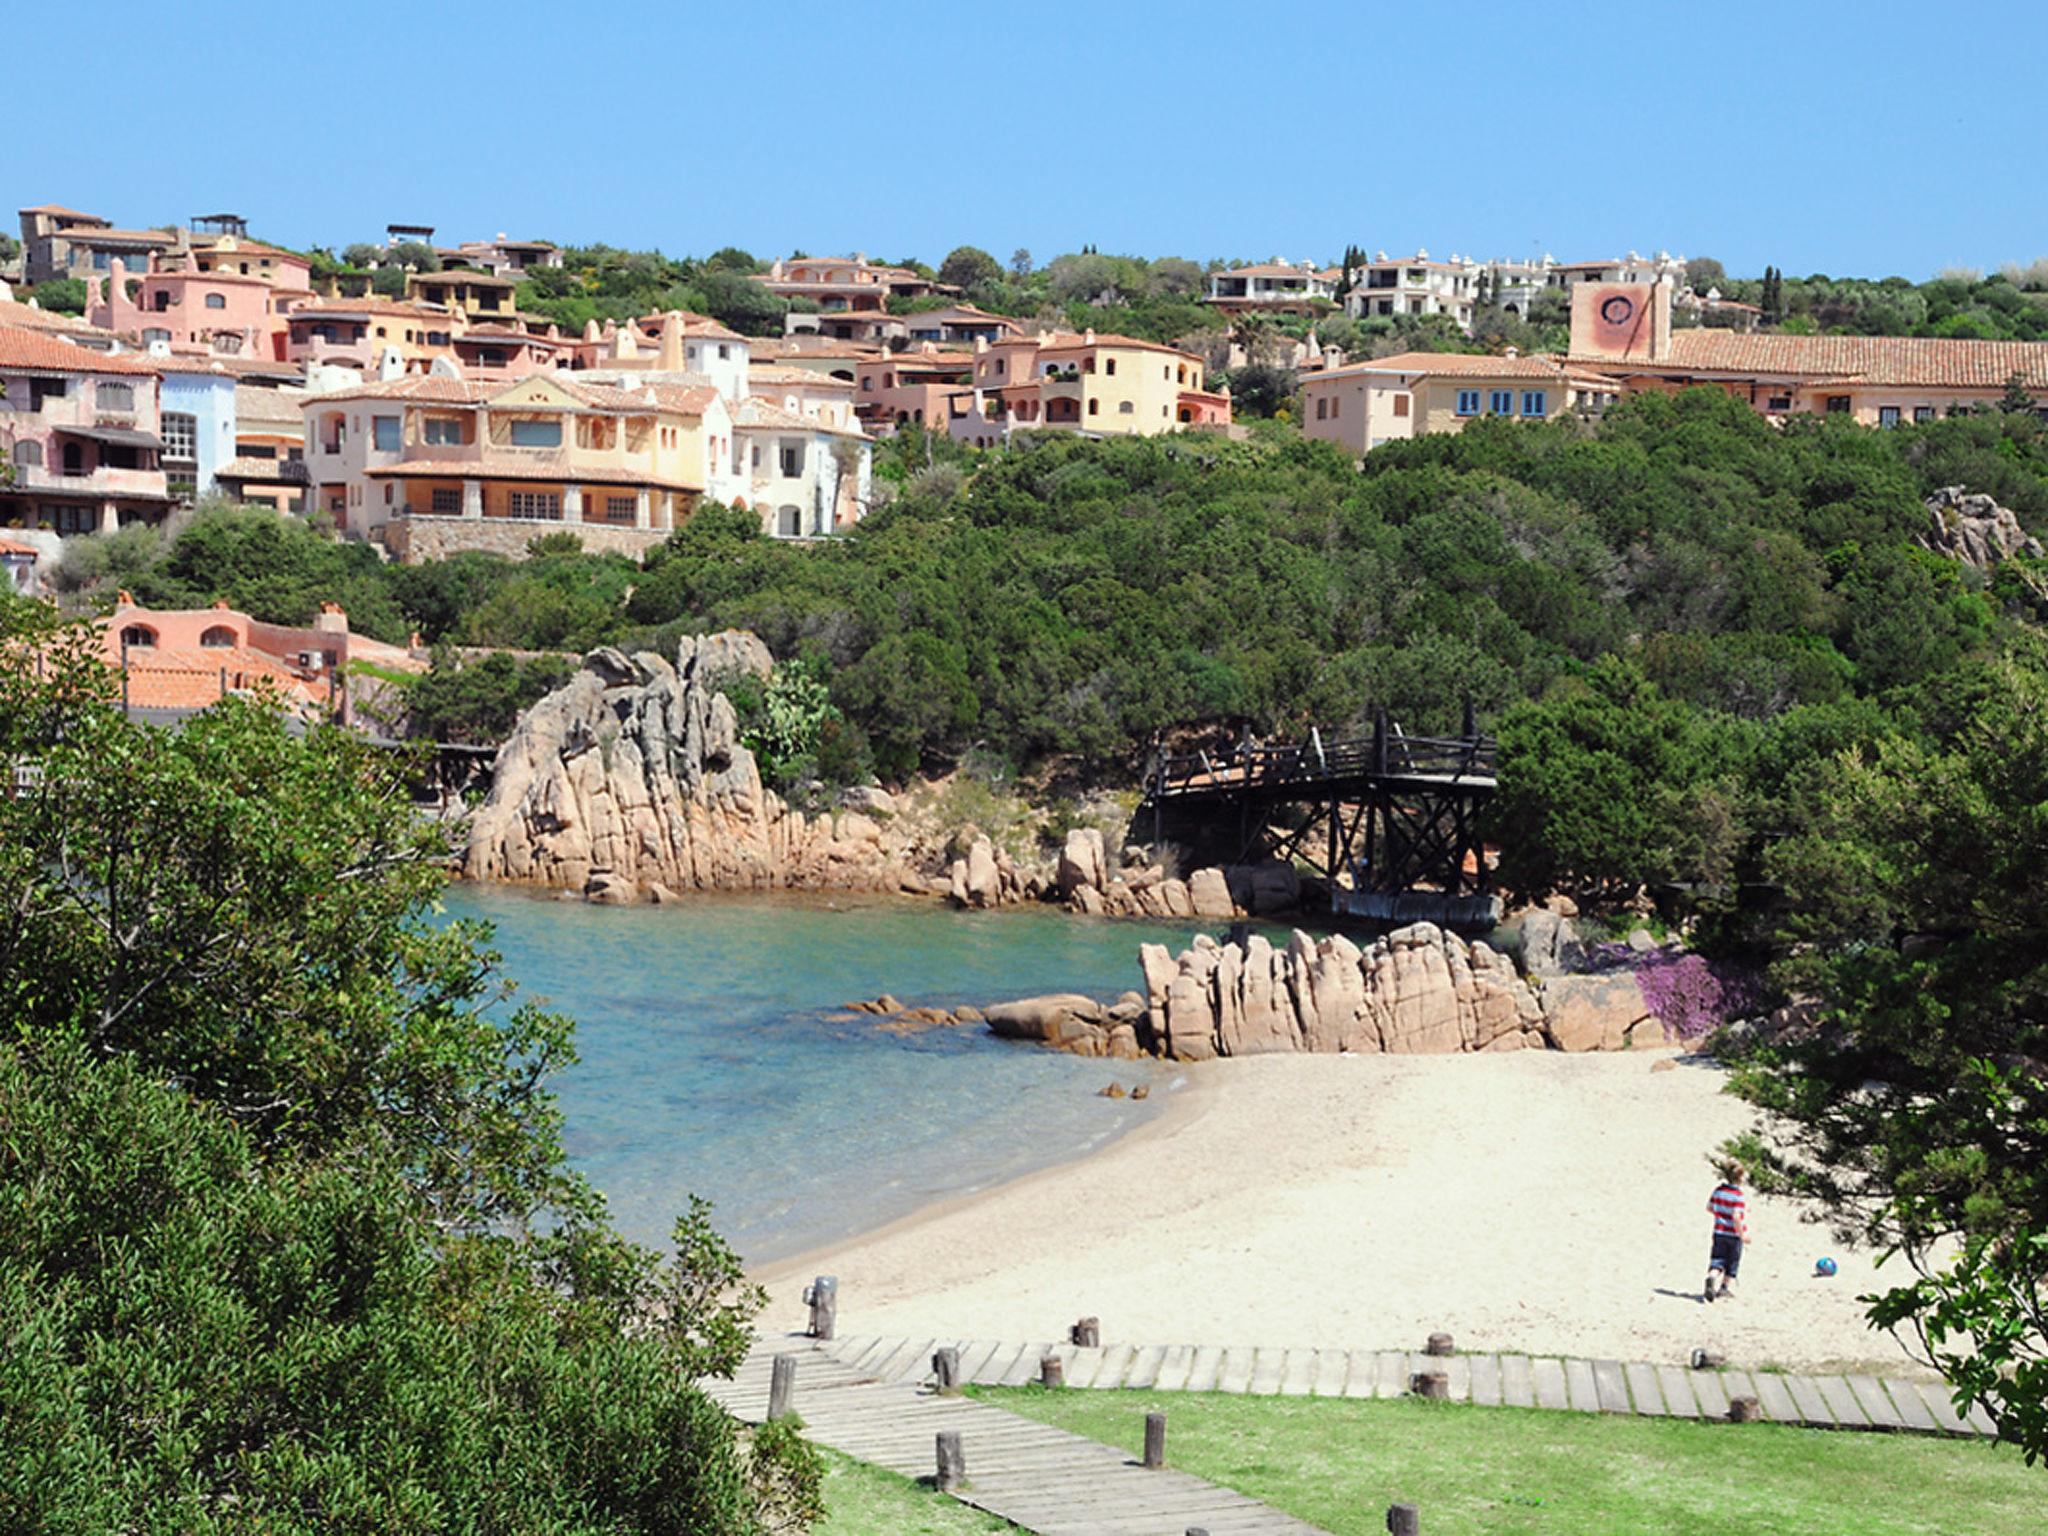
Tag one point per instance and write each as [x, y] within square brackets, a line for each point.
[1450, 364]
[10, 547]
[1898, 361]
[59, 209]
[21, 348]
[33, 317]
[432, 388]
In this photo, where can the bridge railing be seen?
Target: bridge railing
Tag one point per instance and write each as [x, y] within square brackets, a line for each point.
[1253, 765]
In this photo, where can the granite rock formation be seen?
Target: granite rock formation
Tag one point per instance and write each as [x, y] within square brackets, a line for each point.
[630, 782]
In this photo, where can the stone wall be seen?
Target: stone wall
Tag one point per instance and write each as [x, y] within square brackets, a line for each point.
[419, 537]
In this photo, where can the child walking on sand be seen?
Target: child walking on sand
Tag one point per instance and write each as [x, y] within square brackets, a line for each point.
[1731, 1229]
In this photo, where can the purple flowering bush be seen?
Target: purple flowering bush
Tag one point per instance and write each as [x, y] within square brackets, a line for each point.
[1691, 994]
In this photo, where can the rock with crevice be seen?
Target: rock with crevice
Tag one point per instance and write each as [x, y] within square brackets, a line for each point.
[632, 776]
[1972, 527]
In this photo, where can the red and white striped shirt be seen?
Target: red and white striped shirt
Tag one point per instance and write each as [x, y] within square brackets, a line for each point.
[1730, 1219]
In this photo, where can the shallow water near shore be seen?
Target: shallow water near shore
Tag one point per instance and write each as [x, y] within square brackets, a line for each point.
[709, 1063]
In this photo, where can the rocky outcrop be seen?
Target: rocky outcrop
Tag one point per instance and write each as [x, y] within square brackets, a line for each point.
[1088, 883]
[1550, 945]
[1971, 527]
[1417, 990]
[630, 781]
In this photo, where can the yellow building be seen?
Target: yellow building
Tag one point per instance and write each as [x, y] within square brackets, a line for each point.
[478, 295]
[1090, 382]
[1366, 404]
[431, 464]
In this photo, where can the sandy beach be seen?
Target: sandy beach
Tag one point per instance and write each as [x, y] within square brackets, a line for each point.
[1533, 1201]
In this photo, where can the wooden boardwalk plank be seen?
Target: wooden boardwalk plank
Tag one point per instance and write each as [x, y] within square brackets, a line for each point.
[1517, 1385]
[1109, 1372]
[1361, 1374]
[1298, 1375]
[975, 1357]
[1267, 1368]
[1875, 1405]
[1711, 1391]
[1942, 1407]
[1144, 1371]
[1025, 1367]
[1332, 1367]
[1390, 1374]
[1611, 1386]
[1581, 1385]
[1842, 1402]
[1552, 1386]
[1174, 1366]
[1082, 1365]
[1911, 1407]
[1644, 1390]
[1806, 1397]
[1486, 1380]
[1205, 1369]
[1678, 1393]
[1235, 1374]
[1979, 1420]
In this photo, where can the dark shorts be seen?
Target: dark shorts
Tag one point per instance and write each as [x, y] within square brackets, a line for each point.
[1727, 1255]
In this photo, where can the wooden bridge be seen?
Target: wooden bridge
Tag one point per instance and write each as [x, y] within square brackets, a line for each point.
[1389, 821]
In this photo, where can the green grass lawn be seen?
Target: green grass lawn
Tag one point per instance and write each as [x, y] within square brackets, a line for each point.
[861, 1500]
[1340, 1463]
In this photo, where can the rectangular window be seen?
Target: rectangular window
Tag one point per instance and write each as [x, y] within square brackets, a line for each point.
[181, 435]
[445, 430]
[536, 504]
[1923, 413]
[1503, 403]
[446, 501]
[1887, 415]
[1336, 406]
[792, 460]
[40, 390]
[114, 397]
[1468, 402]
[1534, 403]
[620, 509]
[1838, 404]
[1322, 410]
[1400, 405]
[1778, 403]
[536, 434]
[384, 433]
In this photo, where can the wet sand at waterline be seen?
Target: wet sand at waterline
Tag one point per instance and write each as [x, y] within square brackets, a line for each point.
[1535, 1201]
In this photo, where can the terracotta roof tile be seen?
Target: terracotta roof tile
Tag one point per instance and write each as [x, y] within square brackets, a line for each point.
[20, 348]
[1450, 364]
[502, 467]
[1896, 361]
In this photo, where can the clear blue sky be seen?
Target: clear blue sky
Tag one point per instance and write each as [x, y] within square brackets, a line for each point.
[1865, 139]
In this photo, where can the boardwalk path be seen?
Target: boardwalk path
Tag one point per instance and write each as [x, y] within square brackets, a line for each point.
[1515, 1381]
[1040, 1478]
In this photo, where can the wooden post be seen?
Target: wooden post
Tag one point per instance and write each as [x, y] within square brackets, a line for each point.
[1379, 742]
[1155, 1440]
[1435, 1385]
[946, 1368]
[1439, 1344]
[781, 1386]
[952, 1460]
[1087, 1333]
[1404, 1520]
[1052, 1372]
[1743, 1410]
[1708, 1360]
[822, 1296]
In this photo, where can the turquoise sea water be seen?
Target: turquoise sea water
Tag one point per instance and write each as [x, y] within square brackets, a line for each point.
[708, 1063]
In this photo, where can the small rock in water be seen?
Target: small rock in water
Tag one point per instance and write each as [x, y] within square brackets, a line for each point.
[968, 1015]
[1113, 1091]
[1142, 1091]
[887, 1004]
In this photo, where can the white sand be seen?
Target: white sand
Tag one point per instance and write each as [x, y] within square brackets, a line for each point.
[1533, 1201]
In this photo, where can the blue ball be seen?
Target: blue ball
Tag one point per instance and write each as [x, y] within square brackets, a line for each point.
[1825, 1267]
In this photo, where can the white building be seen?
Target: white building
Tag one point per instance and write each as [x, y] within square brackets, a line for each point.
[805, 477]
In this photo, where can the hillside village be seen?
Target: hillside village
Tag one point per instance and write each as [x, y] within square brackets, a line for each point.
[444, 418]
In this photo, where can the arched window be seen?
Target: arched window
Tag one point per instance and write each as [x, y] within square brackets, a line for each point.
[217, 637]
[29, 455]
[1109, 365]
[138, 635]
[216, 301]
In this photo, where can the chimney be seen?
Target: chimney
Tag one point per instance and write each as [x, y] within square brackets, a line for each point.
[332, 619]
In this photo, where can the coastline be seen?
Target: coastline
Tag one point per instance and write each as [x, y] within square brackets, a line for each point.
[1542, 1202]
